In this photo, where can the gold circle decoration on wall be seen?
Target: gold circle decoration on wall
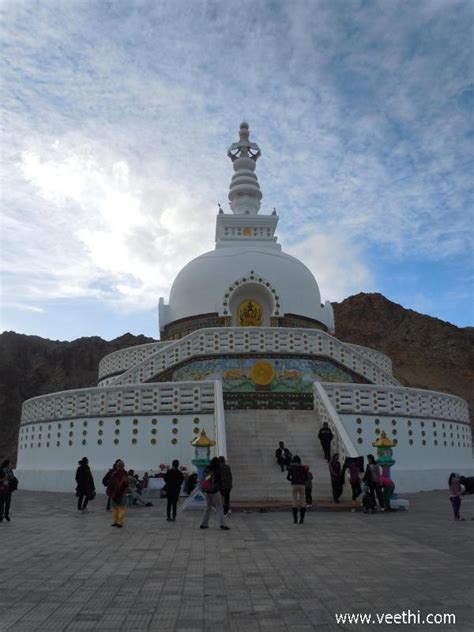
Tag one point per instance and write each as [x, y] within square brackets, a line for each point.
[262, 373]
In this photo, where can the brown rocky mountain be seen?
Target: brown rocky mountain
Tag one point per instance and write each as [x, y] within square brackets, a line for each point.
[30, 366]
[426, 353]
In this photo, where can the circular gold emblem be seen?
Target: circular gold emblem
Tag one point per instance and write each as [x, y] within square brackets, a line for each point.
[247, 232]
[262, 373]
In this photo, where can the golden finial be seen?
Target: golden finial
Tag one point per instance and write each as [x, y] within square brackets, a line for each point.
[202, 441]
[384, 442]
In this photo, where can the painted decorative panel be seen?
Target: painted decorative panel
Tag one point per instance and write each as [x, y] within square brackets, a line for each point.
[275, 375]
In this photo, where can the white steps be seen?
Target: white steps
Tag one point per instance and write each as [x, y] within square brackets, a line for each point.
[252, 438]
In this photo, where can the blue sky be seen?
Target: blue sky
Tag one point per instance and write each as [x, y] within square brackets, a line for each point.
[117, 117]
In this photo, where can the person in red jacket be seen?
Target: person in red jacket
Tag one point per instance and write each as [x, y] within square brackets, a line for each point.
[117, 490]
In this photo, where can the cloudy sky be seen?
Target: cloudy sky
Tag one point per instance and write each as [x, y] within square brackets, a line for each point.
[117, 116]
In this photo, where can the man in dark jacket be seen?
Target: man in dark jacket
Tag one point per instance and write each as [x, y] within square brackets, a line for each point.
[297, 476]
[85, 489]
[325, 436]
[173, 480]
[226, 484]
[282, 455]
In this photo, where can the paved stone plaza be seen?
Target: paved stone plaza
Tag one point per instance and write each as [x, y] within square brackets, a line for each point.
[62, 570]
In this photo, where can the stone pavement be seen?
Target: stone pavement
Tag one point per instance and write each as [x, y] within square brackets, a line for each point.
[61, 570]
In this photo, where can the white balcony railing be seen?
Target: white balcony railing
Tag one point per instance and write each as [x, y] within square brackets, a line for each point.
[396, 400]
[139, 399]
[253, 340]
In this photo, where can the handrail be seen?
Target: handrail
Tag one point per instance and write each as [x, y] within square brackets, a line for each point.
[219, 418]
[344, 445]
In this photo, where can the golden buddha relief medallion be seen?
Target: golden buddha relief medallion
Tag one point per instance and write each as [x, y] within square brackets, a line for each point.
[262, 373]
[249, 314]
[247, 232]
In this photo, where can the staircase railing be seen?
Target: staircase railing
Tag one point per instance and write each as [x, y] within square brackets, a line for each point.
[219, 420]
[343, 444]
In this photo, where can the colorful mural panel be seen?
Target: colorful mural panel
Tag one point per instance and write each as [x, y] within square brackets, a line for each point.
[274, 375]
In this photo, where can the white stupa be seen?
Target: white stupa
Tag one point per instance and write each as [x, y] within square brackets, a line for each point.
[246, 353]
[247, 263]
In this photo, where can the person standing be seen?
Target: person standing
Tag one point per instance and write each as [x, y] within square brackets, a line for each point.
[372, 479]
[297, 476]
[105, 483]
[308, 487]
[8, 484]
[354, 480]
[173, 480]
[117, 490]
[85, 487]
[455, 492]
[211, 482]
[226, 485]
[337, 482]
[325, 437]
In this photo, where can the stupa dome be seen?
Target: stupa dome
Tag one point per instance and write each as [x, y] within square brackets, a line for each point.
[207, 284]
[247, 280]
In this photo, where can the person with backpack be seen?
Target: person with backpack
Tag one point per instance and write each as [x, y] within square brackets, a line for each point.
[117, 491]
[85, 487]
[372, 479]
[105, 483]
[297, 476]
[368, 501]
[226, 485]
[173, 480]
[8, 484]
[210, 484]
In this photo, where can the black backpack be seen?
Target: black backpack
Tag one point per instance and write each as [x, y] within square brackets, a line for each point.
[106, 479]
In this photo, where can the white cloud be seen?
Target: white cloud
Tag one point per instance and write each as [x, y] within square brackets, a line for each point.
[336, 263]
[114, 150]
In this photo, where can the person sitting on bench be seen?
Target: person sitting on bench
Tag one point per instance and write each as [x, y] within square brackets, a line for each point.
[283, 455]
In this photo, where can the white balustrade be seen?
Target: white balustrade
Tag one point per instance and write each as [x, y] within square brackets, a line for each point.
[343, 444]
[230, 340]
[124, 359]
[146, 399]
[396, 400]
[377, 357]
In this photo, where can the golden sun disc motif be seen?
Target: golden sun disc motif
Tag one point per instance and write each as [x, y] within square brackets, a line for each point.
[262, 373]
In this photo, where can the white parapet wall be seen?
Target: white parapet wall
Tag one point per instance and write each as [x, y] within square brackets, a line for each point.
[257, 340]
[145, 425]
[118, 362]
[432, 430]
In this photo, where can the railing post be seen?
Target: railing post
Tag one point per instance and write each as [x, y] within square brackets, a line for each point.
[219, 417]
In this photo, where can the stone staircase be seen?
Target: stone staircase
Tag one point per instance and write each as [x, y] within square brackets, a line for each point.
[252, 438]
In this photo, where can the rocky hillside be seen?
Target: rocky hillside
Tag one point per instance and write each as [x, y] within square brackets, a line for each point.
[31, 366]
[426, 353]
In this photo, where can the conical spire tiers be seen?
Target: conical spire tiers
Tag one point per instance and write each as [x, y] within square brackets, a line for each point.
[244, 192]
